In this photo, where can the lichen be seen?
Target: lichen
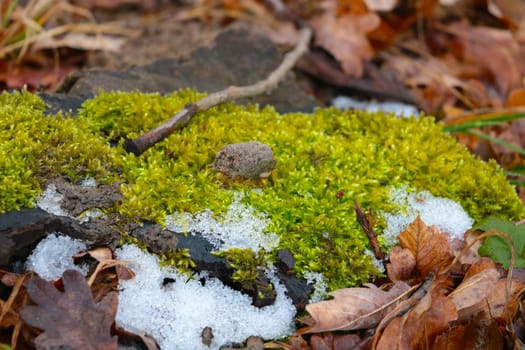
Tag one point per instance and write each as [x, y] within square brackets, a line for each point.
[325, 162]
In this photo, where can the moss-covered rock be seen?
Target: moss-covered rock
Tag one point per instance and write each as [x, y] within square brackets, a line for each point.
[325, 161]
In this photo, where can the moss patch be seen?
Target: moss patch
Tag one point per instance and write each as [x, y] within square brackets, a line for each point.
[325, 161]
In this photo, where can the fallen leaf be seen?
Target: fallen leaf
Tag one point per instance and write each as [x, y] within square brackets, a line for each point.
[99, 254]
[402, 264]
[471, 295]
[494, 50]
[496, 305]
[477, 334]
[416, 328]
[429, 246]
[354, 308]
[345, 37]
[70, 318]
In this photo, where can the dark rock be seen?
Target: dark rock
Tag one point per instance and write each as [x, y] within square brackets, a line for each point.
[297, 289]
[158, 240]
[21, 230]
[238, 57]
[200, 252]
[264, 292]
[285, 261]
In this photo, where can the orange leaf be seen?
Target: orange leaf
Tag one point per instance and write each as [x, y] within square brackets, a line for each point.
[345, 38]
[429, 246]
[354, 308]
[516, 98]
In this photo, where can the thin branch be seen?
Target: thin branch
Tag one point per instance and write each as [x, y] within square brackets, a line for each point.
[181, 119]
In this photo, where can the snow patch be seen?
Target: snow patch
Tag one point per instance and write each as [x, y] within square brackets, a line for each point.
[50, 201]
[175, 314]
[53, 255]
[320, 286]
[447, 215]
[399, 109]
[241, 227]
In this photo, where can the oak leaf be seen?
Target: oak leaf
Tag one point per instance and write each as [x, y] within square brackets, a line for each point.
[354, 308]
[429, 246]
[71, 318]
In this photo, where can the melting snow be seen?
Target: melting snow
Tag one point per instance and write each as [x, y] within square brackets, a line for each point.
[54, 254]
[447, 215]
[242, 227]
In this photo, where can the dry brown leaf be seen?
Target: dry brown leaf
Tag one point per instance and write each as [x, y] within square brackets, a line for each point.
[494, 50]
[416, 328]
[71, 318]
[429, 246]
[478, 334]
[345, 37]
[402, 264]
[354, 308]
[471, 295]
[99, 254]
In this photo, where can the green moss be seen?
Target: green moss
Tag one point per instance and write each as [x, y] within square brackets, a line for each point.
[245, 263]
[326, 160]
[35, 147]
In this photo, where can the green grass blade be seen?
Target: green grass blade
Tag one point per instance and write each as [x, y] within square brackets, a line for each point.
[483, 122]
[496, 140]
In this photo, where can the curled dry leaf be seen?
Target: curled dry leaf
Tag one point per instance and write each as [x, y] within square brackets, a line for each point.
[71, 318]
[429, 246]
[429, 317]
[354, 308]
[345, 38]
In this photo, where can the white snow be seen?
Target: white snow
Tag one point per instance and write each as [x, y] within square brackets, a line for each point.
[176, 314]
[242, 227]
[53, 255]
[50, 201]
[398, 108]
[320, 285]
[446, 214]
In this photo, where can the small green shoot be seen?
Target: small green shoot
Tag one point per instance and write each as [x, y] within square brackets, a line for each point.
[497, 247]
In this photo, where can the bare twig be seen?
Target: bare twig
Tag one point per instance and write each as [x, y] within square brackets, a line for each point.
[181, 119]
[364, 221]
